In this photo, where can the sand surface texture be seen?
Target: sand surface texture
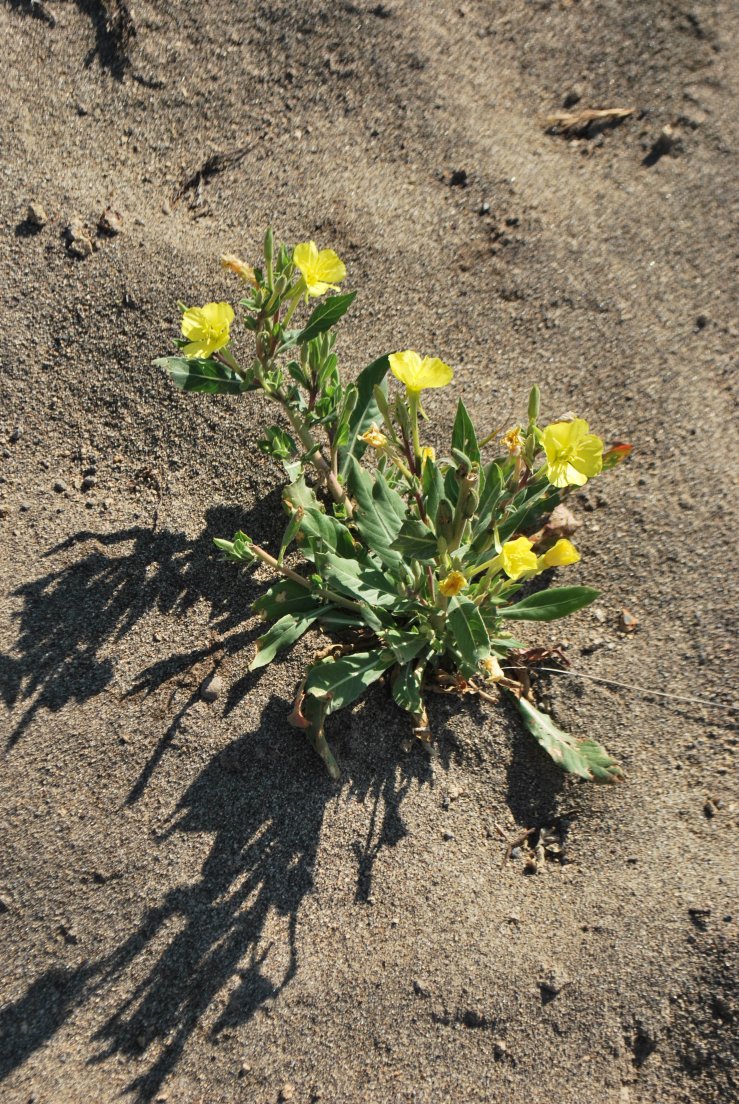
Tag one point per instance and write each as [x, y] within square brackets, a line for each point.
[189, 909]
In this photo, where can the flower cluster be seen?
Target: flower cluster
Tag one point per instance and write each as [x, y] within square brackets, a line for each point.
[414, 562]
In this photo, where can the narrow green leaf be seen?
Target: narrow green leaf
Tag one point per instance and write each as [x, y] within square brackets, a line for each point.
[365, 412]
[492, 491]
[433, 487]
[467, 637]
[417, 541]
[209, 376]
[464, 437]
[548, 605]
[343, 680]
[380, 512]
[585, 758]
[325, 315]
[283, 632]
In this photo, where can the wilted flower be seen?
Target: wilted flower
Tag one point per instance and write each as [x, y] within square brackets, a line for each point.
[320, 271]
[374, 438]
[559, 555]
[452, 584]
[573, 454]
[417, 374]
[491, 669]
[238, 267]
[513, 440]
[206, 328]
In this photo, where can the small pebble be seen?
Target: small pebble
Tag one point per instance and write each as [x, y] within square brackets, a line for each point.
[287, 1092]
[16, 434]
[36, 215]
[458, 179]
[60, 486]
[709, 809]
[24, 507]
[572, 96]
[88, 482]
[211, 688]
[244, 1069]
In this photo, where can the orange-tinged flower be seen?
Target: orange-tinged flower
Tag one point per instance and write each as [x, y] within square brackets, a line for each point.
[454, 582]
[239, 268]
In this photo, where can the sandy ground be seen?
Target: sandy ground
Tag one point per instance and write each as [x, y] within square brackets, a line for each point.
[189, 909]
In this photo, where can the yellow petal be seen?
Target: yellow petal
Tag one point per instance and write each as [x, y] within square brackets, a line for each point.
[560, 555]
[330, 267]
[517, 557]
[454, 582]
[305, 255]
[418, 374]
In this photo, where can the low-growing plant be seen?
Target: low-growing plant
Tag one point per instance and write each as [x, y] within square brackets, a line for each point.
[413, 562]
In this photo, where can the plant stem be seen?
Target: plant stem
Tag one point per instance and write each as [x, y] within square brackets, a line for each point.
[332, 596]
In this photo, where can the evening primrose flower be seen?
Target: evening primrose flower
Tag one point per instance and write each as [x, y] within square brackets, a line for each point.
[320, 271]
[559, 555]
[452, 584]
[517, 558]
[417, 374]
[239, 268]
[573, 454]
[207, 329]
[374, 438]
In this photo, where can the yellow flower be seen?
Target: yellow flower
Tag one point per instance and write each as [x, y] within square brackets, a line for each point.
[513, 440]
[573, 454]
[454, 582]
[320, 271]
[238, 267]
[427, 453]
[418, 374]
[559, 555]
[206, 328]
[374, 437]
[517, 558]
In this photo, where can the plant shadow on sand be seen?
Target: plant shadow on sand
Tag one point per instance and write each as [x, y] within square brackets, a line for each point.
[207, 935]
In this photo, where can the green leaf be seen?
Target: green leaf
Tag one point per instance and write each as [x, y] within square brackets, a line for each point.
[406, 687]
[285, 596]
[342, 681]
[464, 437]
[405, 646]
[366, 411]
[361, 582]
[380, 512]
[283, 632]
[493, 487]
[326, 534]
[526, 507]
[325, 315]
[210, 376]
[467, 637]
[548, 605]
[416, 540]
[433, 487]
[585, 758]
